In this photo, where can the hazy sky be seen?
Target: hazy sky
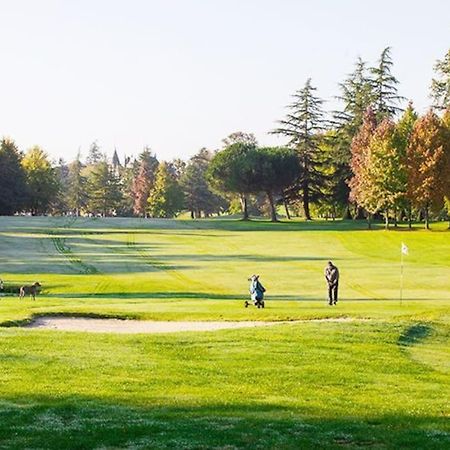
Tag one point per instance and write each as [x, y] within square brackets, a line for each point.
[179, 75]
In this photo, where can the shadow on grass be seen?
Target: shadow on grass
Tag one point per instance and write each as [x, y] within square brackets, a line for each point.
[187, 295]
[133, 225]
[75, 422]
[415, 334]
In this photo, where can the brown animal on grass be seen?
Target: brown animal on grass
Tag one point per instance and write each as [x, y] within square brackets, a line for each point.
[30, 290]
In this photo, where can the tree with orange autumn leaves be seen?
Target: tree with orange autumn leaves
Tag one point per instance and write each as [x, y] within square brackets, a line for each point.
[428, 163]
[395, 165]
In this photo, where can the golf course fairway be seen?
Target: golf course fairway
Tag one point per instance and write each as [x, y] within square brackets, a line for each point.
[378, 378]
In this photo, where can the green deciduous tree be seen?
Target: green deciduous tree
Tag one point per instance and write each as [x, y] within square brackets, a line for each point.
[402, 135]
[386, 170]
[304, 127]
[41, 181]
[13, 189]
[166, 197]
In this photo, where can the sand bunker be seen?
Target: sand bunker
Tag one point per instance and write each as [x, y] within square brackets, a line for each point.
[146, 326]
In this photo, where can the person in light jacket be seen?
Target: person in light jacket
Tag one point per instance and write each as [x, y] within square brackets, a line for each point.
[256, 291]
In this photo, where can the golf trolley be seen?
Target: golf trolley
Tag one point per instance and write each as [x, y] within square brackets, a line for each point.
[257, 303]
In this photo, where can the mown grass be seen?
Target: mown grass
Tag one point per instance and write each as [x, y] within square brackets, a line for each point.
[378, 383]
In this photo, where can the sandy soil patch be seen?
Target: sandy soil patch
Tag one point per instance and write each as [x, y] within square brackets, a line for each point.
[149, 326]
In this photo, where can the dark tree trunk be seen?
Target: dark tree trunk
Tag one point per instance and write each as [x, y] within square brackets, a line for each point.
[192, 214]
[369, 220]
[409, 214]
[347, 215]
[395, 217]
[306, 203]
[244, 208]
[426, 217]
[273, 212]
[359, 214]
[286, 208]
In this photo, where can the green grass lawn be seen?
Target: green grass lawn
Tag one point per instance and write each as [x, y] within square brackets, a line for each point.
[378, 383]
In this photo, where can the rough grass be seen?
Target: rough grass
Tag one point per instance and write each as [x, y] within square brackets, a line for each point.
[382, 383]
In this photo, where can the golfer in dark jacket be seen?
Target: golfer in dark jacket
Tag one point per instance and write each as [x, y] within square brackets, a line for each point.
[332, 277]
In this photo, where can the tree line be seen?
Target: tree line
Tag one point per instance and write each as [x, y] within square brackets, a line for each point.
[371, 158]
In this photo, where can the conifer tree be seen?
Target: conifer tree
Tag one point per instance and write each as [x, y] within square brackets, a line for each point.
[59, 204]
[440, 86]
[94, 154]
[198, 195]
[13, 189]
[143, 181]
[166, 198]
[103, 190]
[76, 197]
[304, 127]
[356, 96]
[384, 87]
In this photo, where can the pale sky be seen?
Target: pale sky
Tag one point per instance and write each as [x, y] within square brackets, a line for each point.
[178, 75]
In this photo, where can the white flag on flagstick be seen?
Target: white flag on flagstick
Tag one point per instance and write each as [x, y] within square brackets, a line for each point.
[405, 249]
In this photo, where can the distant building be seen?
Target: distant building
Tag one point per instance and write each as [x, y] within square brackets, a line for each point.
[116, 162]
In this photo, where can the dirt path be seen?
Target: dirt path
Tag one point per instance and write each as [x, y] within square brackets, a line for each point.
[147, 326]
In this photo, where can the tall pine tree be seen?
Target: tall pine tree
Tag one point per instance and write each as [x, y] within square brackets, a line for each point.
[440, 86]
[76, 197]
[304, 127]
[384, 87]
[356, 96]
